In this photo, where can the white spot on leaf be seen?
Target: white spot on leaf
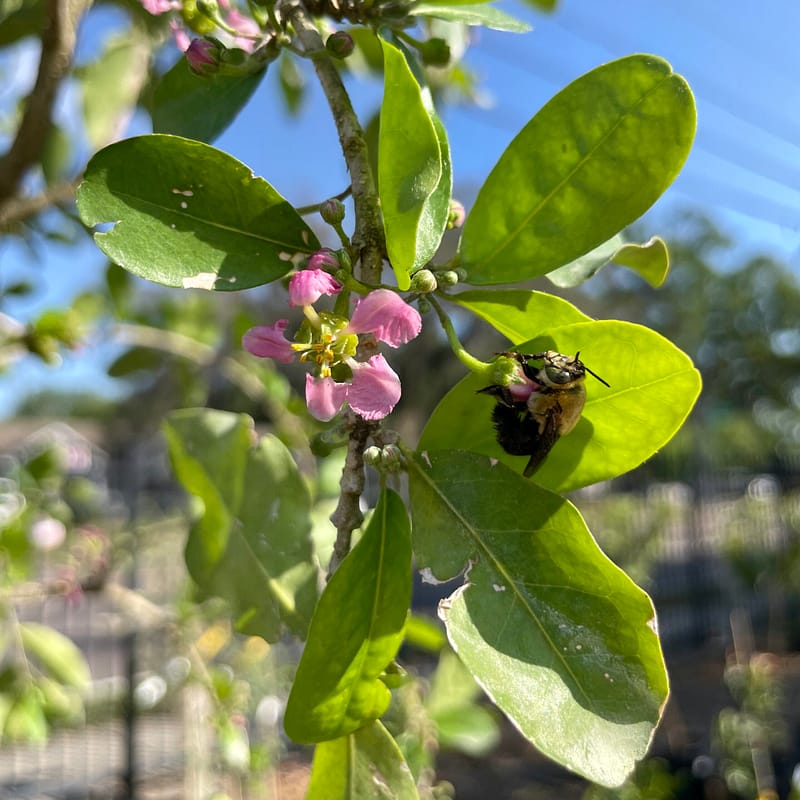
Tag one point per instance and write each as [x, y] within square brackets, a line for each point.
[184, 204]
[184, 192]
[203, 280]
[498, 587]
[424, 456]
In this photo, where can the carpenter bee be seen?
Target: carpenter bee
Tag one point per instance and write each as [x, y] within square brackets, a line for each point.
[530, 418]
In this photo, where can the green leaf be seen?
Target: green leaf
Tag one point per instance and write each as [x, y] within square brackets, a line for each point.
[136, 359]
[356, 631]
[519, 314]
[558, 636]
[594, 159]
[411, 168]
[200, 107]
[650, 260]
[653, 387]
[366, 764]
[250, 544]
[56, 655]
[25, 720]
[110, 85]
[471, 14]
[186, 214]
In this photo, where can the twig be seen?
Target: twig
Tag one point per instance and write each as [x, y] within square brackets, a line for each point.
[368, 235]
[17, 209]
[58, 44]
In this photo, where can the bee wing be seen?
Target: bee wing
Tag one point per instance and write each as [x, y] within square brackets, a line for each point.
[547, 432]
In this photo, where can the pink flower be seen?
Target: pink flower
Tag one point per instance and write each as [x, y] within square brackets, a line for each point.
[373, 392]
[386, 315]
[375, 389]
[268, 341]
[246, 27]
[182, 41]
[308, 285]
[324, 397]
[323, 259]
[157, 7]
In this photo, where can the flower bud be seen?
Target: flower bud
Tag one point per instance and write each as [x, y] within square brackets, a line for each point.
[340, 44]
[423, 281]
[323, 259]
[448, 277]
[457, 215]
[435, 53]
[203, 56]
[423, 304]
[392, 458]
[372, 456]
[332, 211]
[208, 8]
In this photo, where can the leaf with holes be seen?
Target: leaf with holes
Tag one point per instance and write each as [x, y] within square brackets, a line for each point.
[250, 543]
[186, 214]
[558, 636]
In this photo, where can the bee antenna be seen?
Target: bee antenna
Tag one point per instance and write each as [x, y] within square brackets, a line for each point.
[595, 375]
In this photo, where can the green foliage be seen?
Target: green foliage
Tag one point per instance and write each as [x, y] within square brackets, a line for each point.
[356, 631]
[200, 107]
[367, 763]
[250, 544]
[558, 190]
[575, 661]
[653, 387]
[186, 214]
[560, 639]
[414, 172]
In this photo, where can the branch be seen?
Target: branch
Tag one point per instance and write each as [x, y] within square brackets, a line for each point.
[17, 209]
[368, 235]
[58, 44]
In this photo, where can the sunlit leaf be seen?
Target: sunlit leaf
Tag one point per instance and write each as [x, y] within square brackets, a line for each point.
[356, 631]
[58, 656]
[488, 16]
[650, 260]
[592, 161]
[653, 387]
[410, 169]
[519, 314]
[186, 214]
[365, 764]
[557, 635]
[250, 543]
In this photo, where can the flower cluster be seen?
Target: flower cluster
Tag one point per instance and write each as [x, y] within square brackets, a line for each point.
[329, 341]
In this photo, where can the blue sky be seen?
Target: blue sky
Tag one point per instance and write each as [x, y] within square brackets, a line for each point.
[742, 62]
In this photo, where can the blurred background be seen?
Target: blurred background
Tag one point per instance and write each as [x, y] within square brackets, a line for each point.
[92, 524]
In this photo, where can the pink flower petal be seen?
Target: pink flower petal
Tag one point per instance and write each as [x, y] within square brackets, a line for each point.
[324, 397]
[388, 316]
[268, 341]
[375, 389]
[308, 285]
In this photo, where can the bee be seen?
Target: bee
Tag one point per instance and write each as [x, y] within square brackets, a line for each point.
[530, 418]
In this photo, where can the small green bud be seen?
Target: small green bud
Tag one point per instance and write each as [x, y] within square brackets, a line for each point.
[392, 459]
[435, 53]
[448, 277]
[423, 281]
[424, 305]
[372, 456]
[332, 211]
[340, 44]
